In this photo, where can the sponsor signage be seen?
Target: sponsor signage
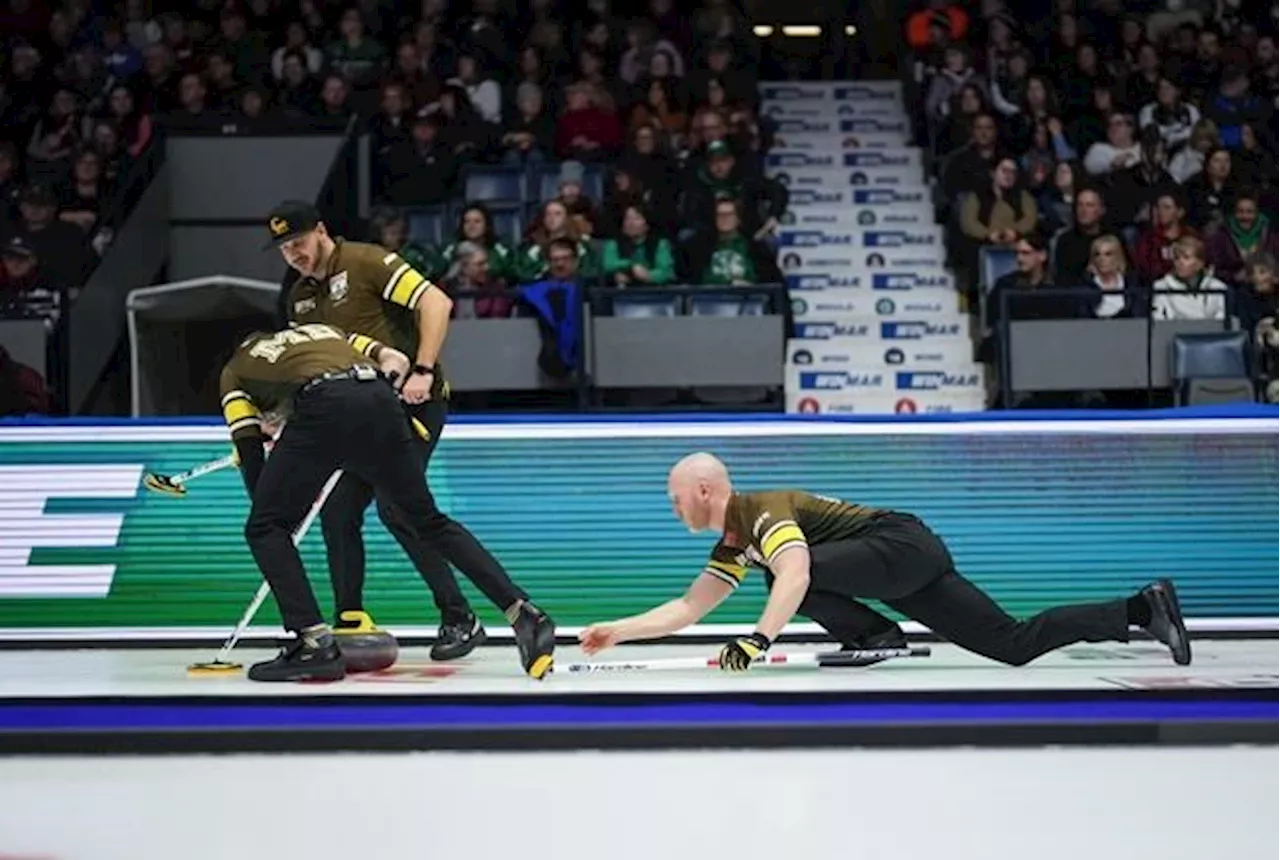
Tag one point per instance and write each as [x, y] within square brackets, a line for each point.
[844, 259]
[791, 170]
[929, 236]
[839, 219]
[945, 353]
[915, 403]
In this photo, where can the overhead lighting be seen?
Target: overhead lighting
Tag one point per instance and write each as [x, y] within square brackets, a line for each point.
[764, 31]
[801, 30]
[850, 30]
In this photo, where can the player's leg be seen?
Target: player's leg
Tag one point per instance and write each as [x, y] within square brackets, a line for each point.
[955, 608]
[460, 630]
[291, 479]
[389, 462]
[851, 623]
[342, 525]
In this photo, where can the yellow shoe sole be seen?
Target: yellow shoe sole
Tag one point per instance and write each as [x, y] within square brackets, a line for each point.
[541, 667]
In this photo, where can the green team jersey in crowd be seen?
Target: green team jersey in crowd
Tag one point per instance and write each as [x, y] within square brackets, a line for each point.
[730, 262]
[360, 63]
[662, 268]
[530, 265]
[759, 526]
[501, 261]
[268, 368]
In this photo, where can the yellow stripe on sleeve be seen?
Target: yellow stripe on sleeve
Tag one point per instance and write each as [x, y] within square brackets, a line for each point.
[239, 412]
[783, 535]
[730, 573]
[405, 287]
[362, 344]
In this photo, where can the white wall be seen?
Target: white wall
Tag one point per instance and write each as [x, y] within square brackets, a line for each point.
[1198, 804]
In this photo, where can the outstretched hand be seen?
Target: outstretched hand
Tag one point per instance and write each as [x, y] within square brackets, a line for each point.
[598, 637]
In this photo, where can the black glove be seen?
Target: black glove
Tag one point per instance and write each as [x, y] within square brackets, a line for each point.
[738, 654]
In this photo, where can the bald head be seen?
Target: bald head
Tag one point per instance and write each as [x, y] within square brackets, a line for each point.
[699, 488]
[699, 467]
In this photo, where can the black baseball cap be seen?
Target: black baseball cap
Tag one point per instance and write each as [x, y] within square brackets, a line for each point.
[290, 219]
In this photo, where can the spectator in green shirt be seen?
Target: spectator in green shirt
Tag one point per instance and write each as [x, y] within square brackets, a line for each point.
[475, 224]
[390, 229]
[638, 256]
[357, 56]
[728, 255]
[555, 223]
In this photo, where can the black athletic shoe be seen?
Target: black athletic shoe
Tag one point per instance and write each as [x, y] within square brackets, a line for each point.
[458, 638]
[892, 638]
[299, 661]
[536, 640]
[1166, 620]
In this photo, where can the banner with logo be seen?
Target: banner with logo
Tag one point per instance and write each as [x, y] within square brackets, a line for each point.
[884, 196]
[795, 121]
[841, 302]
[922, 403]
[845, 259]
[921, 237]
[851, 352]
[832, 91]
[831, 115]
[805, 154]
[865, 280]
[577, 511]
[801, 176]
[885, 381]
[837, 218]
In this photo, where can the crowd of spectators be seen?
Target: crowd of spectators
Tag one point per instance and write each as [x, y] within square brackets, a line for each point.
[660, 98]
[1128, 148]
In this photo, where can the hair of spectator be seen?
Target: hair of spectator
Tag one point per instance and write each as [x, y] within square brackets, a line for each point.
[1036, 239]
[1190, 246]
[1262, 259]
[562, 244]
[463, 253]
[490, 234]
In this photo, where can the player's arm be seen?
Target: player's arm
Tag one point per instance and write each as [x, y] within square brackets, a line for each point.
[704, 594]
[392, 362]
[405, 286]
[244, 420]
[786, 551]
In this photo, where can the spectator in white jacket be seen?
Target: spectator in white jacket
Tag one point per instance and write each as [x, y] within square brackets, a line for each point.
[1190, 291]
[1169, 113]
[1190, 159]
[1119, 151]
[957, 72]
[485, 94]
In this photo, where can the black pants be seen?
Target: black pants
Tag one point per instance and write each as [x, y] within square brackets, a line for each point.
[361, 428]
[906, 566]
[342, 524]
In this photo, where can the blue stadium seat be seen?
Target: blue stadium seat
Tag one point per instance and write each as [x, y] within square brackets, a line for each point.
[1211, 367]
[497, 187]
[508, 226]
[428, 224]
[994, 263]
[727, 305]
[645, 306]
[546, 182]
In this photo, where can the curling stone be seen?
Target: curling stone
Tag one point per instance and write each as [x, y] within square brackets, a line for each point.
[364, 647]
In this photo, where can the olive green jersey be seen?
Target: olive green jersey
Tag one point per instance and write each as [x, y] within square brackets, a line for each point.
[367, 290]
[760, 526]
[267, 370]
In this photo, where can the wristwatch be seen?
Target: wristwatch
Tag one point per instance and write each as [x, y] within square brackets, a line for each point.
[421, 370]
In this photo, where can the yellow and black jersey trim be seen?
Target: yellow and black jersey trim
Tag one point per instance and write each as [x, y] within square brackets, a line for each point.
[726, 571]
[406, 285]
[240, 412]
[364, 345]
[780, 536]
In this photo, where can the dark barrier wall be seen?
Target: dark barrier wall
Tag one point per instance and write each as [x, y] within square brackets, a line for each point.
[221, 189]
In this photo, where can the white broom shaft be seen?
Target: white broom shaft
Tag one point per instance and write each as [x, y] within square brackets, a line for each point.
[676, 664]
[204, 469]
[264, 589]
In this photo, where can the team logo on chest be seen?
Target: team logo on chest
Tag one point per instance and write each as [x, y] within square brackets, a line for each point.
[338, 287]
[304, 306]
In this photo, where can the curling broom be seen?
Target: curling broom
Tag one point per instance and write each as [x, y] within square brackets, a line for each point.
[221, 665]
[823, 660]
